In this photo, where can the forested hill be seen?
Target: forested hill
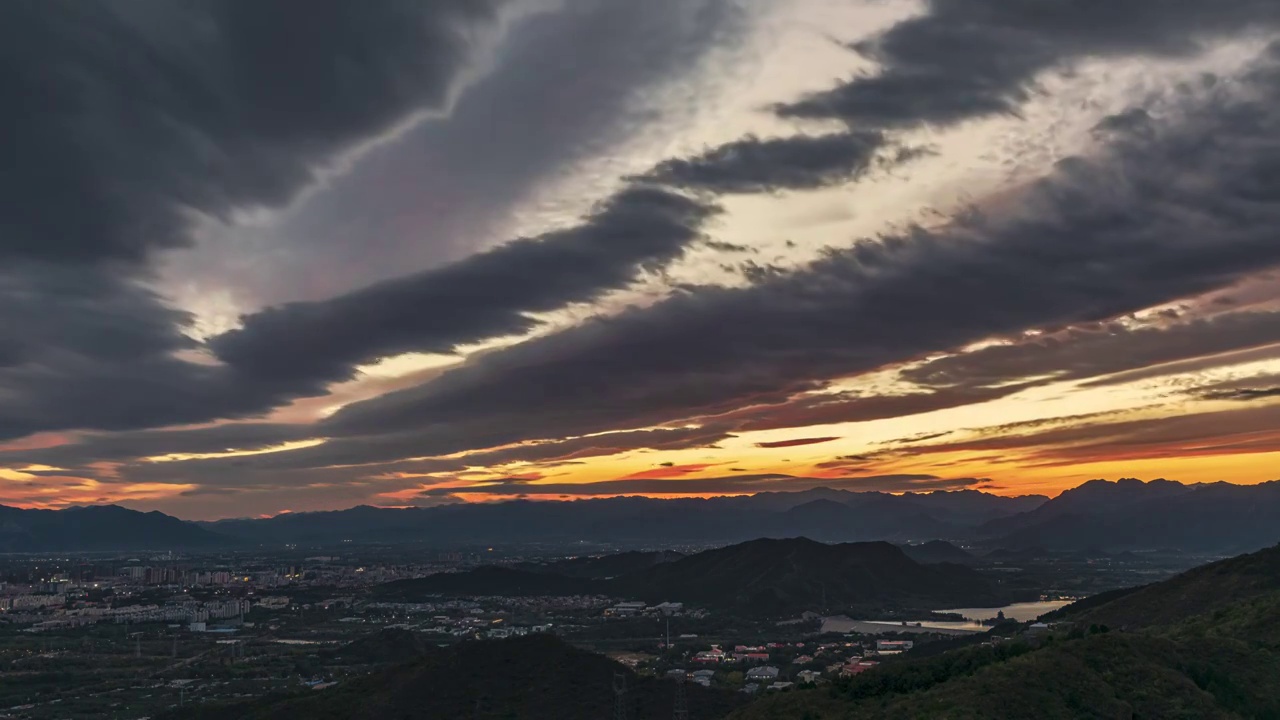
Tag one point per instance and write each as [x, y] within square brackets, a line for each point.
[1205, 644]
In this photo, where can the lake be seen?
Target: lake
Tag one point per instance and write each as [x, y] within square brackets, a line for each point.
[1022, 612]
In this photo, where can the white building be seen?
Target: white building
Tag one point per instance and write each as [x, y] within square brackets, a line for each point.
[764, 673]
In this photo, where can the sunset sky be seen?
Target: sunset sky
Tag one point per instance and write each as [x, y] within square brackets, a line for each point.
[310, 254]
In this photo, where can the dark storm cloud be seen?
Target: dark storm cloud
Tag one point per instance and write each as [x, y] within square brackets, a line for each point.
[734, 484]
[753, 165]
[360, 458]
[828, 408]
[483, 296]
[146, 443]
[1100, 349]
[795, 443]
[1250, 429]
[171, 116]
[126, 117]
[96, 350]
[563, 93]
[963, 59]
[1242, 394]
[1154, 217]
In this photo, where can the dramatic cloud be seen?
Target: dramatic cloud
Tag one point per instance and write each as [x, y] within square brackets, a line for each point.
[963, 59]
[1243, 394]
[137, 118]
[1180, 208]
[829, 408]
[161, 146]
[582, 77]
[795, 443]
[483, 296]
[135, 115]
[1251, 429]
[752, 165]
[129, 446]
[336, 461]
[734, 484]
[1102, 349]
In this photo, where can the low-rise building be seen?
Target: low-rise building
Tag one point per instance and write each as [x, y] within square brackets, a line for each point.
[780, 685]
[857, 668]
[894, 645]
[763, 673]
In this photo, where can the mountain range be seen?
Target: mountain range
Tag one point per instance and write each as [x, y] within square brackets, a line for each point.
[759, 578]
[99, 527]
[823, 514]
[1135, 515]
[1098, 515]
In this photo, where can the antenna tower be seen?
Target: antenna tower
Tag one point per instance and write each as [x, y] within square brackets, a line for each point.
[680, 709]
[619, 696]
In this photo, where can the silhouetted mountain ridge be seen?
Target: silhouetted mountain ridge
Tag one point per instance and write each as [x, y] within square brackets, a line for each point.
[835, 515]
[100, 527]
[1130, 514]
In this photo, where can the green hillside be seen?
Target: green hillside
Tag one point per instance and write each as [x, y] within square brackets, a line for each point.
[1205, 644]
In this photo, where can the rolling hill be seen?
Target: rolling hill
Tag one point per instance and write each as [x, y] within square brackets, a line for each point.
[774, 577]
[488, 580]
[938, 551]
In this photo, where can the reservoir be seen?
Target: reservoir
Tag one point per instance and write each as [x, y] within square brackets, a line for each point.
[1022, 612]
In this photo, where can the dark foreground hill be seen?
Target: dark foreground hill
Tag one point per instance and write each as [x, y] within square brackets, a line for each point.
[488, 580]
[938, 551]
[99, 527]
[608, 566]
[387, 646]
[760, 578]
[532, 678]
[1205, 644]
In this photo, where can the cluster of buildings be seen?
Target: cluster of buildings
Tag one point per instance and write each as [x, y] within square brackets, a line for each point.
[632, 608]
[740, 653]
[50, 612]
[771, 666]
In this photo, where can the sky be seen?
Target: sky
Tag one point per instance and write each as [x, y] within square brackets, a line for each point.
[299, 255]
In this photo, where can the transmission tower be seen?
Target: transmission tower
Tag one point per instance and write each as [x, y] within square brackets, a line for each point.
[680, 709]
[619, 696]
